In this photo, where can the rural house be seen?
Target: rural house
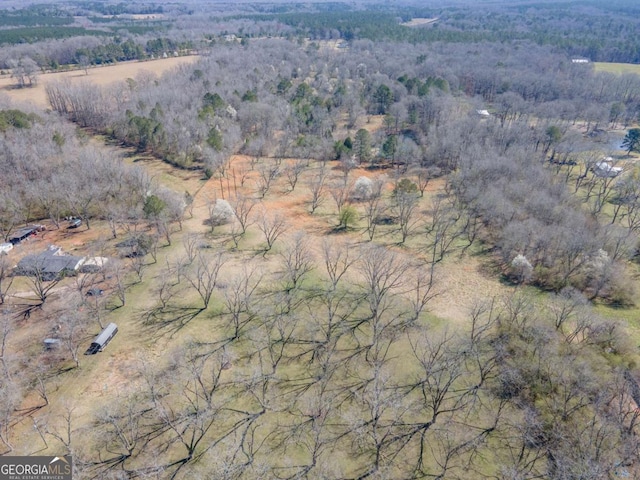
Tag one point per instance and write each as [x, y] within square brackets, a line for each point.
[605, 169]
[50, 264]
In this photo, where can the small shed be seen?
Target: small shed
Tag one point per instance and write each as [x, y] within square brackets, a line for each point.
[24, 233]
[51, 343]
[102, 340]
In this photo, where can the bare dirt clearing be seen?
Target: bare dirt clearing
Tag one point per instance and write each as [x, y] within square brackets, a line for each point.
[419, 22]
[97, 75]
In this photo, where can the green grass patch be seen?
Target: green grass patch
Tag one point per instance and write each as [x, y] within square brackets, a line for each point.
[617, 68]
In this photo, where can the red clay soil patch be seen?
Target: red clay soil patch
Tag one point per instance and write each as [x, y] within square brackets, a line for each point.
[111, 374]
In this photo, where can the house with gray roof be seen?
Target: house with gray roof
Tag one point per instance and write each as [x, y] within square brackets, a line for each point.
[50, 264]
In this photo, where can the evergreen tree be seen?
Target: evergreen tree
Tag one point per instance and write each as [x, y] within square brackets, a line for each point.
[632, 140]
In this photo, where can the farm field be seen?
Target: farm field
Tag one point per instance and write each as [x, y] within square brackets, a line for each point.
[618, 68]
[103, 75]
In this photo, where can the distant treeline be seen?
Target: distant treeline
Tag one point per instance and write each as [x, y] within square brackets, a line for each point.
[601, 33]
[30, 20]
[119, 51]
[37, 34]
[131, 8]
[35, 15]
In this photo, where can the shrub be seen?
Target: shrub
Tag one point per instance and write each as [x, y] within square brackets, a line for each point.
[347, 217]
[521, 269]
[405, 186]
[362, 189]
[153, 206]
[221, 214]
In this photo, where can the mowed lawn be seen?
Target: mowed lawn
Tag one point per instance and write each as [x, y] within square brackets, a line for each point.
[618, 68]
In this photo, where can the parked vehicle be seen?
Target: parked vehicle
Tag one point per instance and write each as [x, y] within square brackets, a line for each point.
[75, 223]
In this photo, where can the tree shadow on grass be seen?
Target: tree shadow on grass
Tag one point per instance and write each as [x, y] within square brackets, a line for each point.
[167, 320]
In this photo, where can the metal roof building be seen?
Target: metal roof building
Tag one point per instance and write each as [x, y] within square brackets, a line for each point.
[102, 340]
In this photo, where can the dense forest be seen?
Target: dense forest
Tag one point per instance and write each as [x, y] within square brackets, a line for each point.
[284, 319]
[600, 31]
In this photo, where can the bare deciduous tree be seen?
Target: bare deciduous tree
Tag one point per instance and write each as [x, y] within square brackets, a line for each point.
[340, 192]
[316, 185]
[42, 283]
[272, 226]
[374, 207]
[293, 172]
[424, 176]
[404, 207]
[6, 278]
[73, 332]
[243, 207]
[267, 174]
[203, 276]
[25, 71]
[239, 297]
[122, 431]
[297, 260]
[442, 230]
[383, 275]
[10, 399]
[338, 259]
[190, 242]
[117, 269]
[63, 430]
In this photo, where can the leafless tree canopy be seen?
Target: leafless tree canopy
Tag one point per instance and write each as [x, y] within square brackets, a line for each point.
[272, 345]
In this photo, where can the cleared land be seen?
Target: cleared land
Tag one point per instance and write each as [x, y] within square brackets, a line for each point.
[460, 285]
[98, 75]
[618, 68]
[419, 22]
[149, 333]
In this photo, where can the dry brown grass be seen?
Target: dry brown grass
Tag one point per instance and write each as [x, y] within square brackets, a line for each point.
[98, 75]
[113, 374]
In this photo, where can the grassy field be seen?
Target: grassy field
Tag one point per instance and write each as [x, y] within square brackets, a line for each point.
[97, 75]
[151, 334]
[617, 68]
[462, 282]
